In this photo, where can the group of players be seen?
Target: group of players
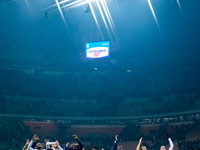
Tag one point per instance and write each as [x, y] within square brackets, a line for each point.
[35, 145]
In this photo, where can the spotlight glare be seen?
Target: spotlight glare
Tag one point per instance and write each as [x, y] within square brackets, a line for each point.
[179, 5]
[72, 3]
[154, 15]
[27, 3]
[102, 15]
[109, 18]
[63, 18]
[95, 18]
[101, 6]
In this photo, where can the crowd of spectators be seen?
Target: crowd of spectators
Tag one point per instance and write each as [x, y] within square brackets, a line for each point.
[36, 91]
[115, 106]
[15, 139]
[90, 84]
[107, 88]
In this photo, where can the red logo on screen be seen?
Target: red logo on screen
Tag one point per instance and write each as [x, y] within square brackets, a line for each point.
[96, 54]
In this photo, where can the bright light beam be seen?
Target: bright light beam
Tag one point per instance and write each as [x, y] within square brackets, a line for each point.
[61, 13]
[63, 1]
[109, 18]
[27, 3]
[54, 5]
[73, 3]
[79, 4]
[59, 4]
[154, 15]
[179, 5]
[105, 4]
[95, 18]
[68, 5]
[102, 15]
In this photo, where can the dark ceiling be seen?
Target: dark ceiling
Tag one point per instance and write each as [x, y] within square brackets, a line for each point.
[34, 33]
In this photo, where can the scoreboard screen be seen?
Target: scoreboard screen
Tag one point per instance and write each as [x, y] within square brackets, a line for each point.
[97, 49]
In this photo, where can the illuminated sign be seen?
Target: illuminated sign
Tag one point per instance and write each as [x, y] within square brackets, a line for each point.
[97, 49]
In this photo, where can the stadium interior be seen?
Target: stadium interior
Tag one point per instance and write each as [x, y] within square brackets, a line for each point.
[147, 87]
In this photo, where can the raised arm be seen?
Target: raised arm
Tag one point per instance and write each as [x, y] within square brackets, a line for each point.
[33, 142]
[58, 146]
[48, 144]
[79, 142]
[67, 146]
[115, 143]
[170, 142]
[139, 143]
[25, 146]
[30, 145]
